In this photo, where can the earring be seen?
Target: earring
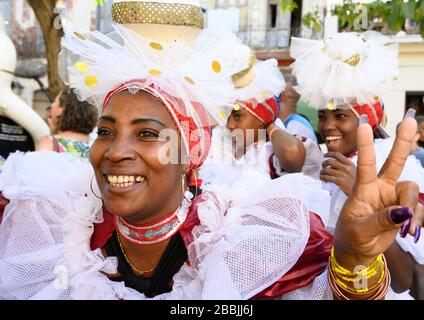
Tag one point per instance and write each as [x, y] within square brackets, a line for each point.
[187, 194]
[91, 187]
[195, 181]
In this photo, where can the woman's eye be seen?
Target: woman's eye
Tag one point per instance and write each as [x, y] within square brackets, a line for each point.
[103, 132]
[148, 134]
[341, 116]
[236, 117]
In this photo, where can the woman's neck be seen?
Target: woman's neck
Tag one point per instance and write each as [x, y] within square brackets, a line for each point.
[73, 135]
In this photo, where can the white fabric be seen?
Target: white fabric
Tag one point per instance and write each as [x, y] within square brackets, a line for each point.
[299, 129]
[247, 239]
[223, 170]
[317, 290]
[201, 73]
[268, 82]
[324, 76]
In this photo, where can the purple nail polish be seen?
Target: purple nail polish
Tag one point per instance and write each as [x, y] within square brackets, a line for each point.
[410, 113]
[417, 234]
[363, 119]
[404, 230]
[399, 215]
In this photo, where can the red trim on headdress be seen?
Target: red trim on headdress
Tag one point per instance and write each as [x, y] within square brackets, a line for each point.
[198, 138]
[266, 111]
[375, 113]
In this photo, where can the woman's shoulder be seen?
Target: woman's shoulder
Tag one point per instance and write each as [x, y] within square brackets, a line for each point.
[45, 144]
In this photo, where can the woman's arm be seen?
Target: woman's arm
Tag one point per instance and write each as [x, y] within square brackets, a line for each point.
[372, 216]
[288, 149]
[401, 267]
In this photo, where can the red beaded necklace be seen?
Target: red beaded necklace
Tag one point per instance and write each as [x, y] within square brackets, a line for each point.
[154, 232]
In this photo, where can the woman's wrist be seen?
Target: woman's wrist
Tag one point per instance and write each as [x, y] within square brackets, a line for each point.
[364, 281]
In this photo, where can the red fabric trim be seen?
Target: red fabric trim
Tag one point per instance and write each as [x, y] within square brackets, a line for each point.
[311, 263]
[421, 198]
[103, 231]
[198, 138]
[3, 203]
[272, 170]
[266, 111]
[374, 112]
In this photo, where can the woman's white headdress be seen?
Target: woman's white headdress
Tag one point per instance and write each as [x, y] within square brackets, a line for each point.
[162, 44]
[345, 69]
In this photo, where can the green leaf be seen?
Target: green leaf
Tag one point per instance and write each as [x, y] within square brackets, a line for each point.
[317, 27]
[408, 9]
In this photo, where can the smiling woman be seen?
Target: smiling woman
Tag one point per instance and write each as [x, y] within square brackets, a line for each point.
[341, 104]
[149, 236]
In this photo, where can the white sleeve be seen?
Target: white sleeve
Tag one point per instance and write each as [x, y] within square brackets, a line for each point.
[319, 289]
[299, 129]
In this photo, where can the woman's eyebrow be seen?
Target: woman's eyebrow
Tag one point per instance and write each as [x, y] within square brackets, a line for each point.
[144, 120]
[107, 118]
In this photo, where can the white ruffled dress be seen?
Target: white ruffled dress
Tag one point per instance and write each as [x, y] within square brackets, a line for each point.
[249, 236]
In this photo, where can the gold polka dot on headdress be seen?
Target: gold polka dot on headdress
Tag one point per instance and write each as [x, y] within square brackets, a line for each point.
[79, 35]
[81, 66]
[156, 46]
[155, 72]
[376, 98]
[216, 66]
[189, 80]
[236, 107]
[223, 115]
[331, 106]
[353, 60]
[90, 81]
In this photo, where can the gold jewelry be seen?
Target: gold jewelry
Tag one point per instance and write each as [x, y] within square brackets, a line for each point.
[353, 60]
[91, 187]
[340, 275]
[195, 179]
[272, 131]
[250, 64]
[130, 12]
[368, 271]
[140, 272]
[379, 294]
[183, 183]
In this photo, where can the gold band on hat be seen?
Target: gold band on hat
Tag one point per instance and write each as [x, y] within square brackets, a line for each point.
[157, 13]
[353, 60]
[242, 73]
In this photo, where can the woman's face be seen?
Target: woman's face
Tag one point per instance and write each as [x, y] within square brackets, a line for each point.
[133, 181]
[54, 114]
[421, 130]
[240, 122]
[338, 129]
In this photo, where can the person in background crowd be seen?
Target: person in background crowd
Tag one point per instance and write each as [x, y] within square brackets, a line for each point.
[420, 122]
[295, 123]
[338, 123]
[71, 121]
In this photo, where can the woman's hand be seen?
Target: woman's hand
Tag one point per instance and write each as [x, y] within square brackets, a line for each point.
[378, 205]
[339, 170]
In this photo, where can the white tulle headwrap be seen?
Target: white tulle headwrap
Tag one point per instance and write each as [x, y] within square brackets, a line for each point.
[268, 82]
[96, 64]
[347, 68]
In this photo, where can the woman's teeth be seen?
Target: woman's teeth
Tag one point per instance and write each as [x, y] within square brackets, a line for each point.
[333, 138]
[124, 181]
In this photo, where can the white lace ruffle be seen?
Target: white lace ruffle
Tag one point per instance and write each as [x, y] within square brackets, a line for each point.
[247, 239]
